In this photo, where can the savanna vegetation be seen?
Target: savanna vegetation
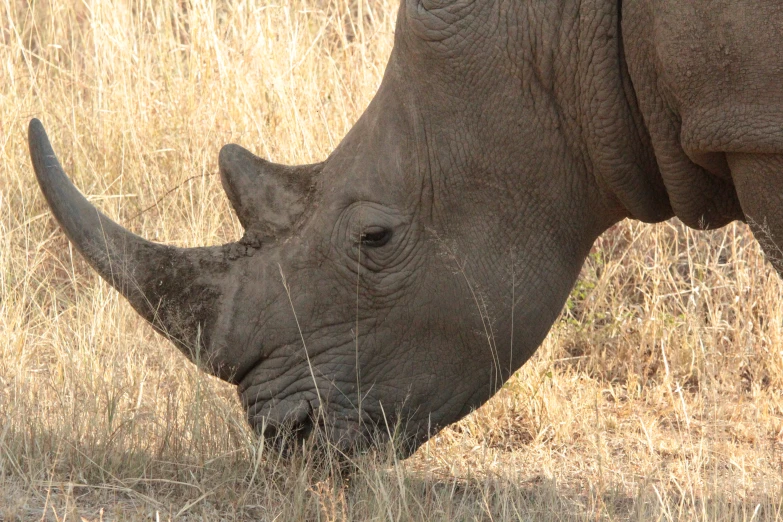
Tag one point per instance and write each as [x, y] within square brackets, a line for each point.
[658, 395]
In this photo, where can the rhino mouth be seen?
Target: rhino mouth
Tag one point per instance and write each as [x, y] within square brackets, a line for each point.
[291, 425]
[291, 422]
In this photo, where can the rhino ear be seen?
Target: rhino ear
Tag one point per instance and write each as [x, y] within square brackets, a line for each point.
[268, 198]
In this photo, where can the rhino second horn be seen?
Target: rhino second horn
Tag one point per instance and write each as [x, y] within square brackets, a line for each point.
[269, 199]
[159, 281]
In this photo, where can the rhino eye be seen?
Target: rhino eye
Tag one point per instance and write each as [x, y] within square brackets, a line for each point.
[374, 237]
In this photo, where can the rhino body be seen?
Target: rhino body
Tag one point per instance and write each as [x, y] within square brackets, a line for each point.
[394, 287]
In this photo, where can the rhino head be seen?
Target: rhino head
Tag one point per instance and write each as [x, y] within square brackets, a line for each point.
[395, 286]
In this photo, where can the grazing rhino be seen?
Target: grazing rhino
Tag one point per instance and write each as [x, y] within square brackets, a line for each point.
[399, 283]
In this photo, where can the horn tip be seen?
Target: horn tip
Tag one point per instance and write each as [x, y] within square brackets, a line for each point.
[36, 135]
[235, 160]
[40, 147]
[35, 123]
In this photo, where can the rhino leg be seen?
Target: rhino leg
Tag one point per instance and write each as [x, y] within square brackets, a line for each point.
[758, 179]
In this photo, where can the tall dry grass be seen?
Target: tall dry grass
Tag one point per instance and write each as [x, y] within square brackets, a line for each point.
[656, 396]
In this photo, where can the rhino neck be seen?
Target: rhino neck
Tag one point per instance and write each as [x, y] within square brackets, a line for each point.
[617, 139]
[575, 53]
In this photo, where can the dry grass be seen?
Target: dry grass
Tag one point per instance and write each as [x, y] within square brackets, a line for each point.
[656, 396]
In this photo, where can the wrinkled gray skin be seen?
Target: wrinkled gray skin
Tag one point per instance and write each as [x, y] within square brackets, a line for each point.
[395, 286]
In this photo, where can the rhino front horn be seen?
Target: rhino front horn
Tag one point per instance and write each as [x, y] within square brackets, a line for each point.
[177, 290]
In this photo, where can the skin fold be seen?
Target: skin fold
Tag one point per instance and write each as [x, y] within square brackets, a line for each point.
[394, 287]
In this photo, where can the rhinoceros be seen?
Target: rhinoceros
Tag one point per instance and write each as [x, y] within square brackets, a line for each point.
[392, 288]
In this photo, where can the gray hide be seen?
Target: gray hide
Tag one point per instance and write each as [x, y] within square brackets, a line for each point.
[395, 286]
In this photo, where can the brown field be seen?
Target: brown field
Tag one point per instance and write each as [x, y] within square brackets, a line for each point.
[658, 395]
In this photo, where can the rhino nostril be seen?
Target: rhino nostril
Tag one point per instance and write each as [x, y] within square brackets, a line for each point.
[302, 421]
[296, 422]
